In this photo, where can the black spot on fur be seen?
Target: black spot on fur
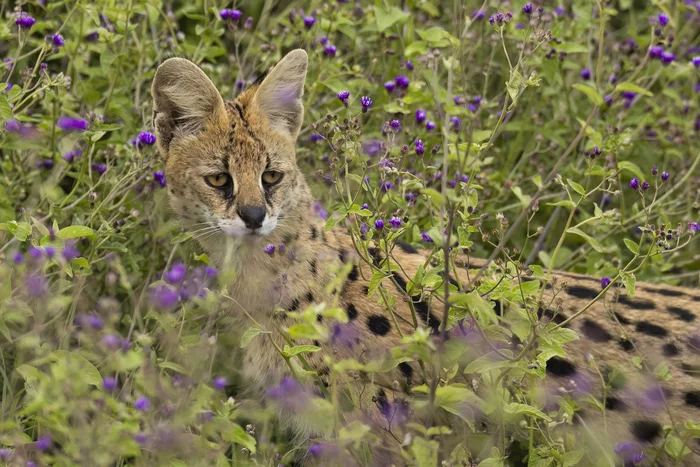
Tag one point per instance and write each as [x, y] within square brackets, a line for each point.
[680, 313]
[375, 254]
[309, 297]
[314, 233]
[642, 304]
[651, 329]
[407, 248]
[692, 398]
[613, 403]
[452, 280]
[595, 331]
[625, 344]
[580, 291]
[499, 307]
[622, 319]
[365, 290]
[312, 263]
[406, 370]
[378, 325]
[668, 292]
[421, 307]
[294, 305]
[353, 274]
[645, 430]
[691, 370]
[351, 311]
[670, 349]
[558, 366]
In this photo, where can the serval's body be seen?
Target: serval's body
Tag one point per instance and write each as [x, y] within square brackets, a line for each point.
[223, 166]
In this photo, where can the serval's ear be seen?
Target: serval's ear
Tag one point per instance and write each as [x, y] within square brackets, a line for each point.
[279, 95]
[184, 101]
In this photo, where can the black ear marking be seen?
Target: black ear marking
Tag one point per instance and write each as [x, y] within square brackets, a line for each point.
[406, 370]
[558, 366]
[692, 398]
[670, 349]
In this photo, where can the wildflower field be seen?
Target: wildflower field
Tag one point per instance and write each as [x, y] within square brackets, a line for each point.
[552, 135]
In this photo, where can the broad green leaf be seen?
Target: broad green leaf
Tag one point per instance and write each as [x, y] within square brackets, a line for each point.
[387, 18]
[595, 244]
[174, 366]
[249, 334]
[75, 231]
[5, 110]
[477, 305]
[354, 431]
[633, 88]
[88, 372]
[630, 281]
[297, 349]
[238, 435]
[630, 167]
[525, 409]
[425, 452]
[675, 447]
[182, 237]
[592, 94]
[576, 187]
[564, 203]
[572, 458]
[631, 246]
[435, 196]
[490, 361]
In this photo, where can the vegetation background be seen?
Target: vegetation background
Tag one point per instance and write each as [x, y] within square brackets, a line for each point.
[563, 135]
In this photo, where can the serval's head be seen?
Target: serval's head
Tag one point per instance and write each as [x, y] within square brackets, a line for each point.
[230, 166]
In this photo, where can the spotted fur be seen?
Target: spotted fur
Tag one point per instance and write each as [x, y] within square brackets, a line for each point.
[200, 134]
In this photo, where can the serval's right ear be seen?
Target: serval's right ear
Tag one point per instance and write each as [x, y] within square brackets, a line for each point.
[184, 101]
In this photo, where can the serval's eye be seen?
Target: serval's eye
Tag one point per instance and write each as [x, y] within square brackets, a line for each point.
[271, 177]
[219, 181]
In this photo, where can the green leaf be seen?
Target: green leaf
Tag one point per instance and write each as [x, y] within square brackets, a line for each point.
[435, 196]
[631, 246]
[675, 447]
[239, 436]
[514, 84]
[633, 88]
[297, 349]
[592, 94]
[416, 48]
[174, 366]
[525, 409]
[576, 187]
[5, 110]
[595, 244]
[477, 305]
[630, 167]
[29, 373]
[458, 400]
[182, 237]
[249, 334]
[388, 18]
[425, 452]
[304, 331]
[630, 281]
[564, 203]
[572, 458]
[88, 373]
[490, 361]
[354, 431]
[75, 231]
[661, 372]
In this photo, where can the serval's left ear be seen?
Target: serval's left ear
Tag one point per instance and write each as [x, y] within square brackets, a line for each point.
[279, 95]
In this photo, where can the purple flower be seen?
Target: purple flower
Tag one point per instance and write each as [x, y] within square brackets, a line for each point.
[390, 85]
[43, 443]
[395, 222]
[696, 61]
[45, 164]
[17, 257]
[395, 125]
[634, 183]
[93, 36]
[366, 103]
[622, 447]
[329, 50]
[385, 185]
[420, 116]
[455, 121]
[269, 249]
[318, 209]
[638, 457]
[5, 454]
[25, 21]
[67, 123]
[667, 57]
[605, 281]
[164, 297]
[693, 227]
[100, 168]
[654, 170]
[663, 19]
[12, 125]
[420, 149]
[656, 51]
[70, 156]
[409, 65]
[426, 238]
[344, 335]
[248, 22]
[95, 322]
[665, 176]
[210, 272]
[478, 15]
[35, 253]
[57, 40]
[343, 97]
[142, 404]
[176, 274]
[147, 138]
[364, 206]
[112, 342]
[309, 21]
[230, 15]
[109, 383]
[289, 392]
[159, 177]
[645, 186]
[323, 449]
[70, 252]
[430, 125]
[527, 9]
[50, 251]
[402, 81]
[36, 285]
[586, 74]
[220, 383]
[379, 224]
